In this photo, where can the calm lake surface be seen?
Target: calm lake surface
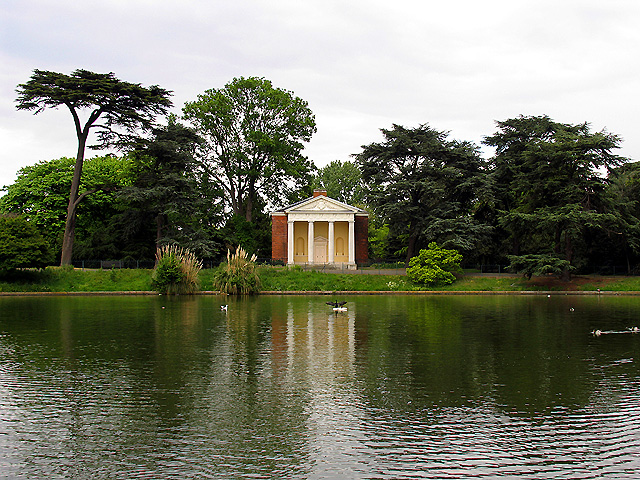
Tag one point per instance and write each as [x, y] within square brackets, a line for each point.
[281, 387]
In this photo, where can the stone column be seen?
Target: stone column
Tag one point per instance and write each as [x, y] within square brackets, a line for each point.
[332, 243]
[290, 243]
[352, 242]
[310, 241]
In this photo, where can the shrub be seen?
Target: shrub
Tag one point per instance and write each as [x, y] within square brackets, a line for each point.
[544, 264]
[21, 245]
[434, 266]
[238, 276]
[176, 271]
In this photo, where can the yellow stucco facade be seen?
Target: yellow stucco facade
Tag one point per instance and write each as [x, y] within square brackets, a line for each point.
[321, 246]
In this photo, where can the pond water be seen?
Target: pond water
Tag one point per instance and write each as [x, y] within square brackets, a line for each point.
[282, 387]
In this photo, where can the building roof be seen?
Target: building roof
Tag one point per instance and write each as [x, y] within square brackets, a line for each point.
[318, 204]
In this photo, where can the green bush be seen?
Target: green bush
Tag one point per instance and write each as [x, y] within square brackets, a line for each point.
[434, 266]
[21, 245]
[176, 271]
[545, 264]
[238, 276]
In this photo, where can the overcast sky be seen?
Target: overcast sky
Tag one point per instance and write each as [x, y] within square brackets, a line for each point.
[458, 65]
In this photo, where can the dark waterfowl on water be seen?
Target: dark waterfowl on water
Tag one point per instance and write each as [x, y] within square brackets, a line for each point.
[338, 306]
[597, 333]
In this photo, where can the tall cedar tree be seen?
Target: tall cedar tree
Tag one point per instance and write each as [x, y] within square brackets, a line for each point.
[426, 187]
[123, 107]
[552, 187]
[167, 191]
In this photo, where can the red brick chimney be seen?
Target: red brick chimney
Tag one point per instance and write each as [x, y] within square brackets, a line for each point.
[318, 193]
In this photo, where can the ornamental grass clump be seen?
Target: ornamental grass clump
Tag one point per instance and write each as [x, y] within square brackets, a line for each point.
[176, 271]
[238, 276]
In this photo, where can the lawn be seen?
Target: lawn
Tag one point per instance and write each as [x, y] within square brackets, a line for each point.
[56, 279]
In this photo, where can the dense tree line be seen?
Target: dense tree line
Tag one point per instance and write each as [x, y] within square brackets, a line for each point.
[554, 198]
[205, 181]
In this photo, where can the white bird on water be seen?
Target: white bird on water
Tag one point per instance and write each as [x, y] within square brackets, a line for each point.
[223, 307]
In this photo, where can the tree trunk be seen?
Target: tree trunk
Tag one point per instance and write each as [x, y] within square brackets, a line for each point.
[70, 225]
[515, 245]
[248, 213]
[568, 256]
[159, 226]
[249, 205]
[411, 248]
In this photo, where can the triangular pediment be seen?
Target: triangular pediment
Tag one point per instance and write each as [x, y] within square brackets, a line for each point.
[321, 204]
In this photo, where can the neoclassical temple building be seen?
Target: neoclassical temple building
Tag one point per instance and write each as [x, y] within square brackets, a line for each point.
[320, 230]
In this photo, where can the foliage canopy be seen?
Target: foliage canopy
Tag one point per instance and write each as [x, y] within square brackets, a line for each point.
[21, 245]
[168, 202]
[254, 135]
[40, 194]
[426, 187]
[550, 187]
[342, 181]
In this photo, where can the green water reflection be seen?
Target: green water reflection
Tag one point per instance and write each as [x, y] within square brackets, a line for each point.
[281, 387]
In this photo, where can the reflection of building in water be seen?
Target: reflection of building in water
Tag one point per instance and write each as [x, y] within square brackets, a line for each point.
[315, 341]
[314, 348]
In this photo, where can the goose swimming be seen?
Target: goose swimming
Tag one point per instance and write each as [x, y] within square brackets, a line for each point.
[338, 306]
[223, 308]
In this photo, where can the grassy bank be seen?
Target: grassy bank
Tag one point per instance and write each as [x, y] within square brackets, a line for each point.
[287, 280]
[281, 279]
[55, 279]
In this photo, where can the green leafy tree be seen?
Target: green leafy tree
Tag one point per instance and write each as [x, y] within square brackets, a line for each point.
[426, 187]
[378, 240]
[21, 245]
[551, 186]
[342, 181]
[122, 107]
[434, 266]
[40, 194]
[254, 135]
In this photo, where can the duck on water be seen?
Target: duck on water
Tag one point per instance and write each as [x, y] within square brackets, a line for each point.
[338, 306]
[597, 333]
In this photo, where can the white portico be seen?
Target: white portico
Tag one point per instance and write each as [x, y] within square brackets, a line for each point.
[320, 230]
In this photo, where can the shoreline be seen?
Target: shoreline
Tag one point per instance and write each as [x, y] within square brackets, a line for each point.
[338, 292]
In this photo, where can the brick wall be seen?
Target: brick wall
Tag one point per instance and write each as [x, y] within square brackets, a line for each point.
[279, 248]
[362, 239]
